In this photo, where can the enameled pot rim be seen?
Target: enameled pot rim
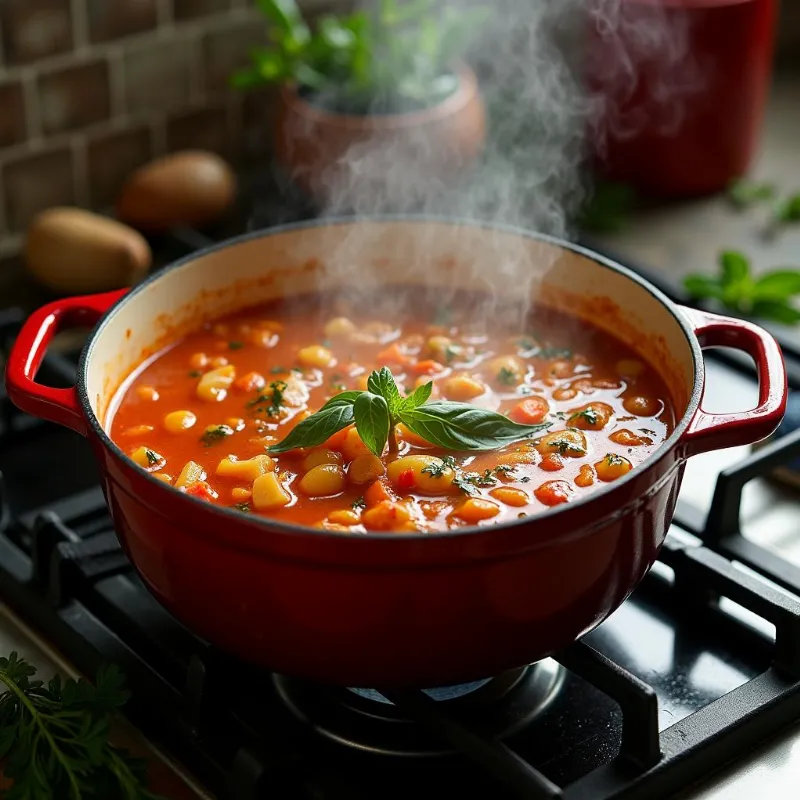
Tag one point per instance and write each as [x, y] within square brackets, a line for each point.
[272, 526]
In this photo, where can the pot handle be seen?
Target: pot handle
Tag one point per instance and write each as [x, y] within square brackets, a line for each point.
[54, 405]
[709, 431]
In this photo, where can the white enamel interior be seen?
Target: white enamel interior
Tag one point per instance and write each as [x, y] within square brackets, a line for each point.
[446, 254]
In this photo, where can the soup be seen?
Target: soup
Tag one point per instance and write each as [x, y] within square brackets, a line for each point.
[202, 414]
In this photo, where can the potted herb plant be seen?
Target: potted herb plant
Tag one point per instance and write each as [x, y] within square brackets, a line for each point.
[374, 107]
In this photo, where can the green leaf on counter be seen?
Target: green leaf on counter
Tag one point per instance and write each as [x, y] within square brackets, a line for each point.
[744, 193]
[788, 210]
[768, 296]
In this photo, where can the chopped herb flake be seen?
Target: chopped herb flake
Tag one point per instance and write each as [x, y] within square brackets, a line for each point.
[435, 469]
[235, 345]
[272, 403]
[555, 352]
[589, 414]
[216, 433]
[196, 373]
[152, 457]
[243, 507]
[359, 502]
[613, 460]
[566, 445]
[507, 377]
[279, 370]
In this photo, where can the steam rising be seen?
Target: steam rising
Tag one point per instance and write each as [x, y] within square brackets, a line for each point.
[549, 90]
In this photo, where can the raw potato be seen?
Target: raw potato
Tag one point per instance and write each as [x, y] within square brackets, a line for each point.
[71, 251]
[193, 187]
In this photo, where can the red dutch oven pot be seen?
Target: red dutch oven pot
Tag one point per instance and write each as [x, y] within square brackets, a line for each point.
[383, 610]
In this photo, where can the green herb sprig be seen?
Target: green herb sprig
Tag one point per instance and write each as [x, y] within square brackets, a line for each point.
[401, 51]
[54, 738]
[376, 412]
[767, 296]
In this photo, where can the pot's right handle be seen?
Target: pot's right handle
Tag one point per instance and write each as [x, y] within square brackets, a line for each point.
[709, 431]
[54, 405]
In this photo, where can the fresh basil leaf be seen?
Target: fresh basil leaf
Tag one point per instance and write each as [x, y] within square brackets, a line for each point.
[284, 14]
[382, 383]
[316, 429]
[703, 287]
[777, 285]
[777, 311]
[735, 267]
[789, 209]
[342, 399]
[460, 426]
[419, 396]
[743, 193]
[372, 420]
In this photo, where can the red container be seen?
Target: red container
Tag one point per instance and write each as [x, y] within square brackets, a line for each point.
[682, 86]
[384, 610]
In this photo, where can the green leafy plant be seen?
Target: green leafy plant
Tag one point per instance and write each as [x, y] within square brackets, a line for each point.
[54, 738]
[376, 412]
[395, 56]
[767, 296]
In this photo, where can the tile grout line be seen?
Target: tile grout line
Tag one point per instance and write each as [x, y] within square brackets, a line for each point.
[33, 107]
[116, 82]
[80, 27]
[79, 177]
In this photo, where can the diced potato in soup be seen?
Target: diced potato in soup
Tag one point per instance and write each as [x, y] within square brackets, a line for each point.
[201, 415]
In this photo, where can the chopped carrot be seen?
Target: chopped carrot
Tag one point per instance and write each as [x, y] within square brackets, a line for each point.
[385, 516]
[427, 367]
[552, 493]
[530, 411]
[336, 441]
[392, 355]
[407, 435]
[378, 492]
[585, 477]
[202, 490]
[552, 462]
[250, 382]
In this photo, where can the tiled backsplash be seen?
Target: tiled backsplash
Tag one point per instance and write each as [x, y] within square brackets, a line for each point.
[91, 89]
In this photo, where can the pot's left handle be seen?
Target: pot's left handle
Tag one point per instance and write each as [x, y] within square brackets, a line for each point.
[55, 405]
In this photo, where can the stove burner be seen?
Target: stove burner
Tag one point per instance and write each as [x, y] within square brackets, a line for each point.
[442, 693]
[363, 719]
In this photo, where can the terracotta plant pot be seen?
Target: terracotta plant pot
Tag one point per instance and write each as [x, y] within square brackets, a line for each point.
[385, 161]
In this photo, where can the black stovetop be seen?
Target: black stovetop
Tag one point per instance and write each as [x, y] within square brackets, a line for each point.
[673, 685]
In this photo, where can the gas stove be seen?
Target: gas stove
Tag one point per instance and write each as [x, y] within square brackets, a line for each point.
[697, 668]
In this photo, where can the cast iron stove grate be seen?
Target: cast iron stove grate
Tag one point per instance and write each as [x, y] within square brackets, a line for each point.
[672, 686]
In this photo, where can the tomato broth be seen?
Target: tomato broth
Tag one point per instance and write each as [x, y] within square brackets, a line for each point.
[201, 414]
